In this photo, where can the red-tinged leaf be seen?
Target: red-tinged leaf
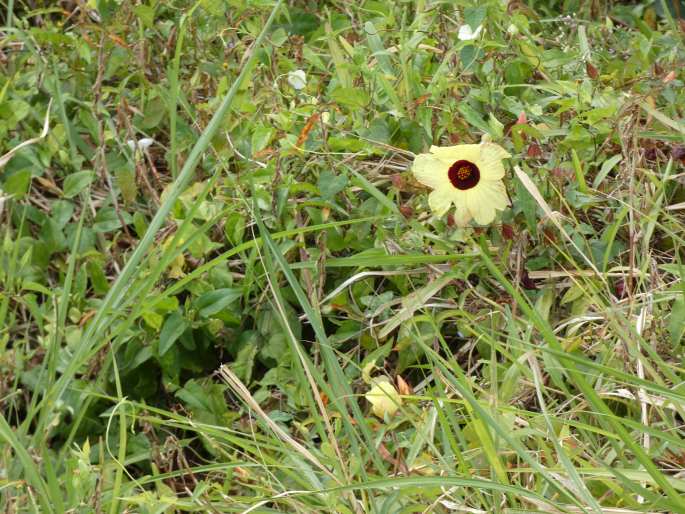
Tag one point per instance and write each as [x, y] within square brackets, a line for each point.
[406, 211]
[549, 235]
[561, 173]
[527, 282]
[507, 232]
[534, 151]
[591, 70]
[397, 181]
[678, 152]
[304, 134]
[421, 100]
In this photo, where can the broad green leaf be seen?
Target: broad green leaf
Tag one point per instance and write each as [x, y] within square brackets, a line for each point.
[473, 117]
[331, 184]
[352, 97]
[261, 137]
[18, 183]
[77, 182]
[146, 14]
[126, 180]
[173, 328]
[215, 301]
[474, 16]
[107, 219]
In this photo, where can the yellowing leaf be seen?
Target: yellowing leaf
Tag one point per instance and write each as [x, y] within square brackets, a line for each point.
[383, 397]
[176, 268]
[366, 371]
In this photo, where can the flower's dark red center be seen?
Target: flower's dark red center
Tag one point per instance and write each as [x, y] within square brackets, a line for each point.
[464, 175]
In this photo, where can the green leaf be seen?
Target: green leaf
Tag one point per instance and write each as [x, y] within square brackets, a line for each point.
[496, 127]
[594, 116]
[244, 362]
[62, 211]
[18, 183]
[515, 73]
[545, 301]
[278, 37]
[155, 111]
[352, 97]
[173, 328]
[146, 14]
[474, 16]
[234, 228]
[126, 180]
[473, 117]
[77, 182]
[607, 166]
[19, 110]
[346, 144]
[412, 135]
[98, 279]
[300, 22]
[153, 319]
[526, 203]
[261, 137]
[52, 236]
[107, 220]
[205, 400]
[469, 54]
[676, 324]
[107, 9]
[378, 48]
[276, 347]
[215, 301]
[139, 223]
[214, 7]
[331, 184]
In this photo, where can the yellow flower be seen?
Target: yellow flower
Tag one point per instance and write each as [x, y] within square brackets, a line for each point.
[383, 397]
[468, 176]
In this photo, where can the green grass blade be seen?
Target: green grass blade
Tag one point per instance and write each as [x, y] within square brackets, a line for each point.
[605, 416]
[342, 396]
[31, 471]
[117, 293]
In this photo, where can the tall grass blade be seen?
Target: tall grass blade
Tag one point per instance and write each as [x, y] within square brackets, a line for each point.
[115, 296]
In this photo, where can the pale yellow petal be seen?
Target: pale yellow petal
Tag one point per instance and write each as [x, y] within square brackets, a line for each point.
[479, 207]
[462, 216]
[490, 161]
[451, 154]
[494, 150]
[440, 201]
[430, 171]
[491, 170]
[494, 193]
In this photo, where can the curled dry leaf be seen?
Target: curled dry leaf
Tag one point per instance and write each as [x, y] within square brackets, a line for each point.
[403, 387]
